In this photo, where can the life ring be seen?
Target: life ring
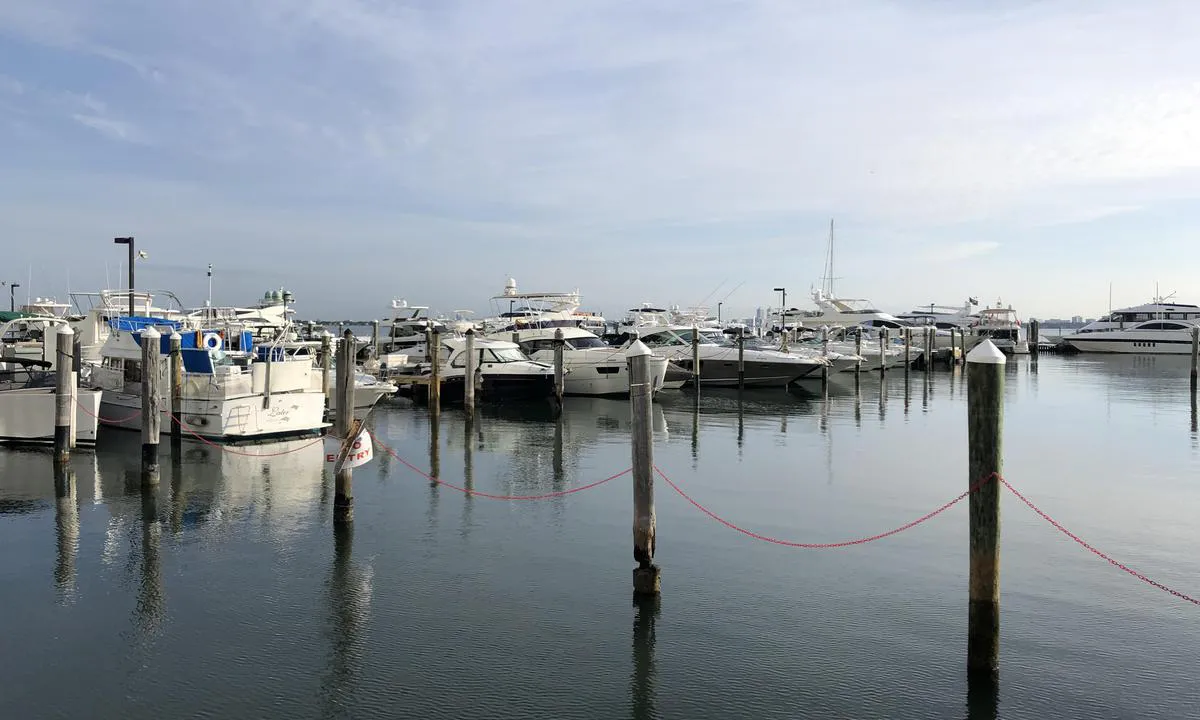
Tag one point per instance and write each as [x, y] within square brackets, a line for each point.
[212, 341]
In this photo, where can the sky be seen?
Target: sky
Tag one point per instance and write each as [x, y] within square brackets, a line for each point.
[1035, 153]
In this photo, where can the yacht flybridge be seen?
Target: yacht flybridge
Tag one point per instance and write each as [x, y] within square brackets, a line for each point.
[1157, 309]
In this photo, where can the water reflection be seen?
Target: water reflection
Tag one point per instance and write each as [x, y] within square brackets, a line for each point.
[66, 532]
[349, 603]
[151, 608]
[983, 697]
[642, 689]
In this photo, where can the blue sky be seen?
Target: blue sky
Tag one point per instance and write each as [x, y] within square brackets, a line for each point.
[360, 150]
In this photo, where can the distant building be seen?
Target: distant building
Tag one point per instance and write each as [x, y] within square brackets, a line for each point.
[1077, 319]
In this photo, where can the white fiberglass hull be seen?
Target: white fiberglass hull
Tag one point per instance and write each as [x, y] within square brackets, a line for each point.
[600, 372]
[27, 415]
[1148, 343]
[249, 417]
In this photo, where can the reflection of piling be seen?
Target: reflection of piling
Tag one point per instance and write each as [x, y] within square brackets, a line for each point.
[435, 445]
[985, 412]
[151, 602]
[176, 390]
[469, 375]
[343, 491]
[559, 370]
[66, 524]
[646, 575]
[642, 685]
[151, 404]
[64, 395]
[557, 458]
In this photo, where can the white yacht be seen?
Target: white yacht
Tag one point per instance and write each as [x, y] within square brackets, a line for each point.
[943, 317]
[227, 395]
[28, 400]
[1002, 326]
[516, 310]
[592, 366]
[505, 372]
[92, 321]
[404, 339]
[843, 312]
[1157, 309]
[1152, 337]
[28, 337]
[719, 363]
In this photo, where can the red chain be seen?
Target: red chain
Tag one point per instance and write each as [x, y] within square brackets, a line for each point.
[490, 496]
[110, 421]
[822, 546]
[232, 451]
[1115, 563]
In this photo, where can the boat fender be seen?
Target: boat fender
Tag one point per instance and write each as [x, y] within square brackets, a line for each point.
[212, 341]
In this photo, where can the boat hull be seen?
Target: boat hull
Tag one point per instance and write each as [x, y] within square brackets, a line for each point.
[27, 416]
[251, 417]
[724, 373]
[1157, 346]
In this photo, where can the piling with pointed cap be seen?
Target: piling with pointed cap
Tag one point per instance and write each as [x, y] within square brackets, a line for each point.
[343, 493]
[985, 420]
[151, 403]
[559, 371]
[469, 374]
[176, 391]
[64, 395]
[695, 357]
[641, 398]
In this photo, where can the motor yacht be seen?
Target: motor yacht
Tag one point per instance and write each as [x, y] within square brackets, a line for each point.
[1152, 337]
[719, 362]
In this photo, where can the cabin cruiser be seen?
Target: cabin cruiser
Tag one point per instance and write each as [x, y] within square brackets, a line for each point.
[28, 337]
[719, 363]
[92, 321]
[592, 366]
[247, 393]
[504, 372]
[539, 310]
[841, 312]
[943, 317]
[405, 336]
[1002, 326]
[1153, 337]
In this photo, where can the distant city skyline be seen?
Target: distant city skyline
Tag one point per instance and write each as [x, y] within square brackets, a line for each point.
[357, 151]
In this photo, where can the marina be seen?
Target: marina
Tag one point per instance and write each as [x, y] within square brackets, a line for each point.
[235, 555]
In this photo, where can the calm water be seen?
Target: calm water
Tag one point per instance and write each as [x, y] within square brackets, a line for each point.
[227, 593]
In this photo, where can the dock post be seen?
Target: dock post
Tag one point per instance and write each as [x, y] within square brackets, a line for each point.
[953, 348]
[883, 351]
[929, 335]
[641, 399]
[428, 340]
[375, 340]
[326, 368]
[1034, 339]
[469, 375]
[64, 395]
[741, 360]
[985, 421]
[825, 354]
[343, 491]
[1195, 356]
[858, 352]
[907, 349]
[696, 357]
[176, 389]
[435, 375]
[65, 392]
[559, 344]
[151, 404]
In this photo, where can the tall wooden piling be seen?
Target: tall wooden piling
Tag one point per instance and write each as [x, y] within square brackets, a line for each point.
[825, 355]
[326, 368]
[858, 351]
[151, 404]
[435, 374]
[641, 398]
[375, 350]
[696, 357]
[343, 491]
[559, 371]
[469, 375]
[907, 349]
[929, 349]
[741, 360]
[985, 421]
[1195, 356]
[883, 351]
[176, 390]
[64, 395]
[1034, 340]
[428, 340]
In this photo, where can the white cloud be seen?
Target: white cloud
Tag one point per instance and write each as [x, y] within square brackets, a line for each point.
[114, 129]
[962, 251]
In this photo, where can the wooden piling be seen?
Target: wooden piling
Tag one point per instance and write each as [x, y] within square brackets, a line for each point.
[641, 398]
[1195, 355]
[858, 352]
[907, 349]
[696, 357]
[469, 374]
[151, 404]
[741, 360]
[375, 350]
[176, 391]
[929, 335]
[1034, 339]
[883, 351]
[559, 371]
[825, 354]
[326, 367]
[343, 492]
[435, 375]
[985, 420]
[64, 395]
[428, 340]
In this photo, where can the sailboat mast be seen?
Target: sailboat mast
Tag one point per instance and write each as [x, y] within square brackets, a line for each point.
[830, 257]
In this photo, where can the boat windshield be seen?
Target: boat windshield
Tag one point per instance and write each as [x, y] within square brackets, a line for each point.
[583, 343]
[504, 355]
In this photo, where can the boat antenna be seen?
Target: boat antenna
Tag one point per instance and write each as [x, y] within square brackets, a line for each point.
[714, 292]
[209, 304]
